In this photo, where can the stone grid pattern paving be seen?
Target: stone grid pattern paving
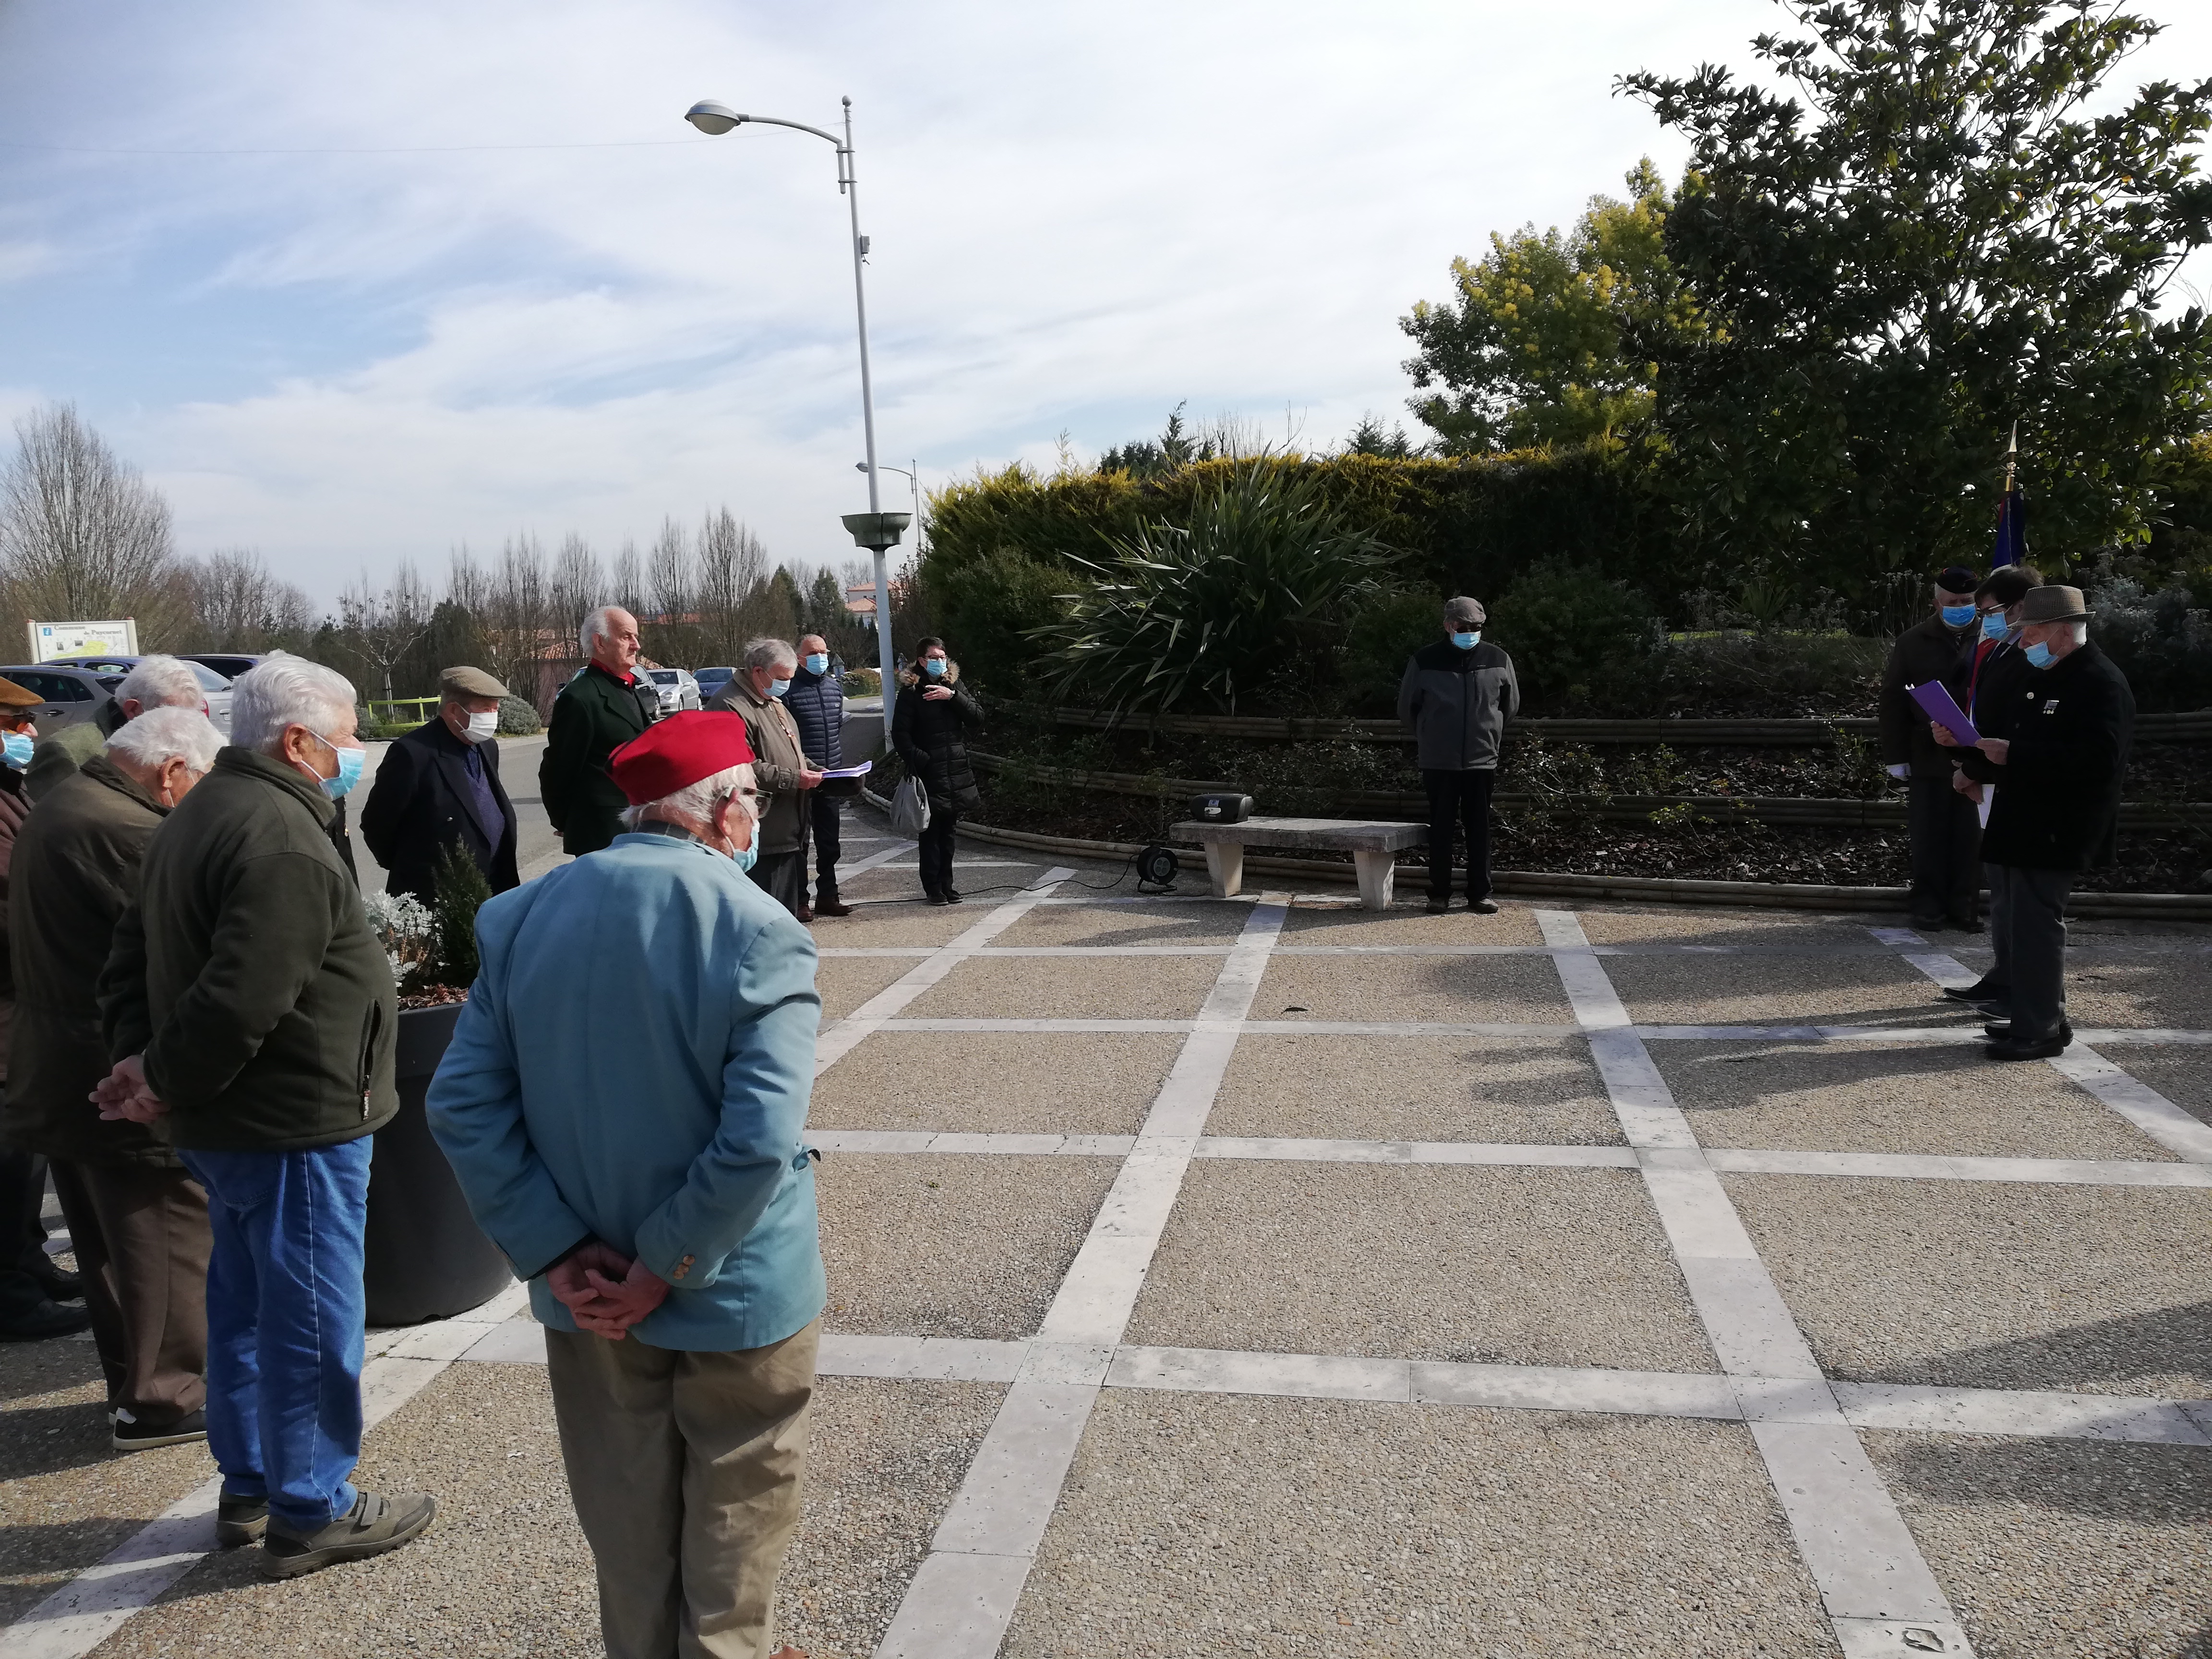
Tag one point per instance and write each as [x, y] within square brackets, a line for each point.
[1197, 1418]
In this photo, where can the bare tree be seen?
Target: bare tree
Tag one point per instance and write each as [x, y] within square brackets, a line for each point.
[732, 570]
[517, 632]
[627, 580]
[381, 627]
[83, 535]
[577, 584]
[236, 604]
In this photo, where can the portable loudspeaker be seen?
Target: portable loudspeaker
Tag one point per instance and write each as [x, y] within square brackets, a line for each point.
[1221, 808]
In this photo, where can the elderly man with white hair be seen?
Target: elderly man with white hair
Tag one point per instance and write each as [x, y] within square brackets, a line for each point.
[623, 1101]
[603, 707]
[137, 1220]
[257, 1010]
[157, 682]
[755, 694]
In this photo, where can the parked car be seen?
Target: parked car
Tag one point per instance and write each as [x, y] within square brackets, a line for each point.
[678, 690]
[214, 685]
[73, 695]
[711, 682]
[228, 664]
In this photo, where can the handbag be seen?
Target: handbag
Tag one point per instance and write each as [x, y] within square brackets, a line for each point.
[911, 808]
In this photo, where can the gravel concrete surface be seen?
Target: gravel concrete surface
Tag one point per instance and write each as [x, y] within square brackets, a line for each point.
[66, 1497]
[1868, 1097]
[1407, 922]
[2061, 1548]
[2183, 1075]
[1423, 1261]
[846, 982]
[2104, 989]
[1323, 1528]
[2093, 1290]
[1528, 1090]
[996, 1082]
[1460, 990]
[943, 1245]
[1201, 923]
[1697, 925]
[879, 924]
[1808, 990]
[1070, 987]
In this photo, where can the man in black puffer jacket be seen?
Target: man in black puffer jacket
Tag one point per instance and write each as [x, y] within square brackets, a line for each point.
[817, 704]
[1457, 696]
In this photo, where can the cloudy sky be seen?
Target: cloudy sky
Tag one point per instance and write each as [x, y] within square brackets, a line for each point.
[408, 319]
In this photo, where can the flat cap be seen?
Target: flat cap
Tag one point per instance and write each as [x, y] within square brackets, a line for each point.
[470, 682]
[2054, 602]
[1465, 609]
[13, 695]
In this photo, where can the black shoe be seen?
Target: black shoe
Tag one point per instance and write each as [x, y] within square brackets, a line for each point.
[59, 1285]
[932, 896]
[41, 1322]
[130, 1435]
[2046, 1048]
[1483, 907]
[1979, 992]
[240, 1520]
[1966, 924]
[952, 896]
[1927, 924]
[2000, 1030]
[1439, 906]
[373, 1526]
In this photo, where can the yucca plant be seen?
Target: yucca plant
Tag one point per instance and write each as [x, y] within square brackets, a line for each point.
[1209, 610]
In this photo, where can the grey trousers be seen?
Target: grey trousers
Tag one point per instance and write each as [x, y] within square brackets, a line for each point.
[2027, 932]
[685, 1470]
[142, 1242]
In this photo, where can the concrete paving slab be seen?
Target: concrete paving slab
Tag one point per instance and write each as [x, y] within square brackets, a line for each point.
[1814, 989]
[996, 1082]
[1460, 990]
[1411, 924]
[1934, 1100]
[1071, 987]
[1209, 1524]
[941, 1245]
[2088, 1290]
[1202, 922]
[1542, 1266]
[846, 982]
[2090, 1550]
[1535, 1091]
[2183, 1076]
[881, 924]
[2109, 989]
[66, 1497]
[1696, 925]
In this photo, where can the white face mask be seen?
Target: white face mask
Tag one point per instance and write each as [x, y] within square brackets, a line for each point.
[483, 728]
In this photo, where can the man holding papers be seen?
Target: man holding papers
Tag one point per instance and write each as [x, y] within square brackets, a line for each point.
[1944, 829]
[2055, 730]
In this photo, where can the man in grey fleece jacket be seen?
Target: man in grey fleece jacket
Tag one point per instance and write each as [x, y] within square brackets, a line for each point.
[1457, 696]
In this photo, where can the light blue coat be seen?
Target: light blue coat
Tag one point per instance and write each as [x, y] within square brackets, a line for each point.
[634, 1066]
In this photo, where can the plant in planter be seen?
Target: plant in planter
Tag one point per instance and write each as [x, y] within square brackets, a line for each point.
[425, 1256]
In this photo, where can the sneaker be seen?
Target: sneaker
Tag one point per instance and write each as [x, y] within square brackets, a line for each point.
[373, 1526]
[41, 1320]
[240, 1520]
[831, 907]
[1439, 906]
[131, 1435]
[1483, 907]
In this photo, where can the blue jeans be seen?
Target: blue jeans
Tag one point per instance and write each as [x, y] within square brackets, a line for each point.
[286, 1316]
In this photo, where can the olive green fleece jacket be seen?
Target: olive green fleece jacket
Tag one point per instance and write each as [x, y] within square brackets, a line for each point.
[247, 974]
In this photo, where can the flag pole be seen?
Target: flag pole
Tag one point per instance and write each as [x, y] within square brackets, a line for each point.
[2012, 457]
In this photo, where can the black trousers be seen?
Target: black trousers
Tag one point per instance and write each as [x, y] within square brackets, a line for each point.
[1459, 797]
[937, 851]
[822, 817]
[2027, 933]
[22, 1233]
[783, 877]
[1946, 834]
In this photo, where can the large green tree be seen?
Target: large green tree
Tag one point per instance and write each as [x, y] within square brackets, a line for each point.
[1533, 346]
[1940, 224]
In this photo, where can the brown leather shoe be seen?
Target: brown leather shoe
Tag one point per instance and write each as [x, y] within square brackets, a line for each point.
[804, 913]
[831, 907]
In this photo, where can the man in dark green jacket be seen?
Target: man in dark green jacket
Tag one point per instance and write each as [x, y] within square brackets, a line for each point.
[256, 1012]
[137, 1220]
[597, 711]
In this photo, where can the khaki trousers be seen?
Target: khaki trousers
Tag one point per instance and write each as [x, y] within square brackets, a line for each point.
[142, 1242]
[685, 1470]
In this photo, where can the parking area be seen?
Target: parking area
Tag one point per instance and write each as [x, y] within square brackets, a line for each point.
[1269, 1276]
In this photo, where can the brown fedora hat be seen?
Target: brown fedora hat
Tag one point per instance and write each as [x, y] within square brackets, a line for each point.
[2054, 603]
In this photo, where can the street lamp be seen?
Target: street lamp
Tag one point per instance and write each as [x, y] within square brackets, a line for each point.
[913, 478]
[876, 530]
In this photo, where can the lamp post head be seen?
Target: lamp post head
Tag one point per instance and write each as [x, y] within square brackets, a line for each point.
[859, 466]
[712, 118]
[876, 531]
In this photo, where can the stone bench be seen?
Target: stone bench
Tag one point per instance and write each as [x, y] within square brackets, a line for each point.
[1372, 844]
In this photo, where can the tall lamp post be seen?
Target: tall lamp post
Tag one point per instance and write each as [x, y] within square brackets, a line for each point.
[914, 482]
[875, 530]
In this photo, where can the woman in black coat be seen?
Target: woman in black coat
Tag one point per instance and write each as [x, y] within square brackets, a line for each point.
[929, 730]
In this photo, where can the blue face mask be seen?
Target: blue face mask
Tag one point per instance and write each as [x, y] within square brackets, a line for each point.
[1957, 615]
[1467, 641]
[816, 662]
[1994, 627]
[17, 750]
[746, 857]
[932, 665]
[2039, 655]
[777, 688]
[350, 761]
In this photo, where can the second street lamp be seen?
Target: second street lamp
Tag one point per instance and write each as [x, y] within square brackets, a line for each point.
[877, 533]
[914, 482]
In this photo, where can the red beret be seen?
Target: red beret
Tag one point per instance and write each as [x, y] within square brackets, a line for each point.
[679, 751]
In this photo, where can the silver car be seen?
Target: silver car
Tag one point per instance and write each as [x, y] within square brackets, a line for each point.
[72, 696]
[213, 686]
[678, 690]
